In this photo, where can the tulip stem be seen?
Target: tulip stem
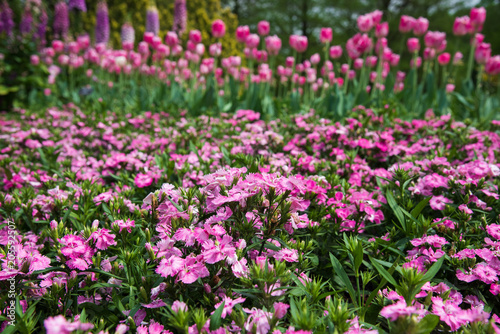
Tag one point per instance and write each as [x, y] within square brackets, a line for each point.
[470, 62]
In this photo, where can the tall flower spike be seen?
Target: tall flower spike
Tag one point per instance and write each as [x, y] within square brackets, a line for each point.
[180, 16]
[128, 33]
[78, 5]
[152, 20]
[6, 19]
[26, 21]
[102, 23]
[42, 27]
[61, 20]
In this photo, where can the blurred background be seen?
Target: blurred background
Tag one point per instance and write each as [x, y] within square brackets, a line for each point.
[302, 17]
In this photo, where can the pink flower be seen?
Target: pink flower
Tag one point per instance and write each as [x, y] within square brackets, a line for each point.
[462, 26]
[420, 26]
[482, 53]
[218, 28]
[325, 35]
[170, 266]
[125, 224]
[242, 32]
[413, 44]
[406, 24]
[444, 58]
[228, 305]
[449, 312]
[273, 45]
[494, 230]
[439, 202]
[195, 36]
[263, 28]
[258, 321]
[399, 309]
[477, 18]
[280, 309]
[179, 306]
[365, 22]
[381, 29]
[435, 39]
[298, 43]
[335, 51]
[103, 238]
[59, 325]
[192, 270]
[252, 41]
[143, 180]
[288, 255]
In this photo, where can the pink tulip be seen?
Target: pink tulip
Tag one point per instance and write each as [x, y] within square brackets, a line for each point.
[325, 35]
[156, 42]
[365, 23]
[47, 91]
[371, 61]
[450, 88]
[171, 39]
[143, 48]
[457, 58]
[200, 49]
[444, 58]
[315, 59]
[263, 28]
[273, 45]
[381, 29]
[434, 39]
[387, 54]
[215, 49]
[483, 53]
[299, 43]
[289, 61]
[148, 37]
[413, 44]
[380, 45]
[35, 60]
[344, 68]
[195, 36]
[376, 16]
[418, 63]
[420, 26]
[358, 63]
[335, 52]
[429, 53]
[462, 26]
[492, 66]
[83, 41]
[477, 39]
[218, 28]
[477, 18]
[57, 45]
[242, 33]
[252, 41]
[395, 59]
[358, 44]
[127, 45]
[406, 23]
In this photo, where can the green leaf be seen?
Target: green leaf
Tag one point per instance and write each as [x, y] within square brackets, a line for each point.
[419, 207]
[433, 270]
[427, 324]
[397, 210]
[384, 273]
[339, 270]
[216, 318]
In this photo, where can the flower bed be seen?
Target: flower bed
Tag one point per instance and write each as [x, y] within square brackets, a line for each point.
[157, 223]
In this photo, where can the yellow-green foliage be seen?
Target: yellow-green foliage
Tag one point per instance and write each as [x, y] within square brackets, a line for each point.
[201, 14]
